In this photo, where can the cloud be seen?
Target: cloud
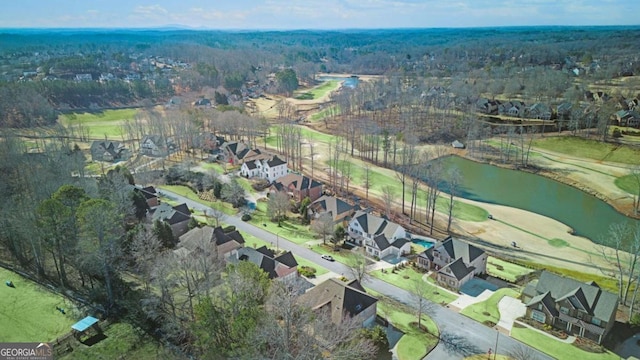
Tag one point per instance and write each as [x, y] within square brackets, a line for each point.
[150, 11]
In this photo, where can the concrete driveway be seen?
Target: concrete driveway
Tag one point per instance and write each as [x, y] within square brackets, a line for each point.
[510, 309]
[465, 300]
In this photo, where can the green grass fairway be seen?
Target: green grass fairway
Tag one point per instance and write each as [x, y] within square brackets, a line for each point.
[505, 270]
[106, 123]
[628, 183]
[590, 149]
[318, 91]
[398, 279]
[28, 311]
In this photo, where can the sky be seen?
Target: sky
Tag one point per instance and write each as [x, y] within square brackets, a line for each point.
[314, 14]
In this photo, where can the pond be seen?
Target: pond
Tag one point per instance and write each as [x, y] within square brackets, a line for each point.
[348, 81]
[587, 215]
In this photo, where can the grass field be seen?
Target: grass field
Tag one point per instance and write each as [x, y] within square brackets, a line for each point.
[487, 311]
[505, 270]
[605, 282]
[554, 348]
[123, 342]
[100, 124]
[317, 91]
[324, 113]
[189, 194]
[590, 149]
[628, 183]
[28, 311]
[398, 279]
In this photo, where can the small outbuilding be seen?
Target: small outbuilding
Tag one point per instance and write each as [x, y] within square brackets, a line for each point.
[457, 144]
[83, 326]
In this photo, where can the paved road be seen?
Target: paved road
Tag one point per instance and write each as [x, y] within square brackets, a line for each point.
[462, 335]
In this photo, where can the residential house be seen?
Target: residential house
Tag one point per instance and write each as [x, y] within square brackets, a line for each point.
[581, 309]
[563, 110]
[151, 195]
[226, 244]
[269, 169]
[298, 186]
[379, 236]
[487, 106]
[511, 108]
[83, 77]
[105, 150]
[238, 152]
[629, 118]
[177, 217]
[341, 300]
[538, 111]
[282, 267]
[340, 210]
[455, 261]
[154, 145]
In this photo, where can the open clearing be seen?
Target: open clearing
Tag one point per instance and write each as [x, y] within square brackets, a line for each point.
[100, 124]
[31, 311]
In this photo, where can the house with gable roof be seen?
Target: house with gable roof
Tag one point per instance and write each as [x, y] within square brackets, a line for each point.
[581, 309]
[340, 211]
[105, 150]
[342, 300]
[270, 168]
[455, 261]
[379, 236]
[282, 267]
[226, 244]
[177, 217]
[298, 187]
[155, 145]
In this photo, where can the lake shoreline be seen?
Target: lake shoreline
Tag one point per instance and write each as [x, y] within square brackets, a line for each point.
[555, 175]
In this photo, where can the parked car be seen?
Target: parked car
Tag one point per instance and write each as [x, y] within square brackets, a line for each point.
[328, 257]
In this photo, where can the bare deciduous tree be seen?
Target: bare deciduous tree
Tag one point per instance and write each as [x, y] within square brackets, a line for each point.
[323, 226]
[278, 205]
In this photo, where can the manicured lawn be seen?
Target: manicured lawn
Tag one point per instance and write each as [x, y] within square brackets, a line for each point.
[414, 344]
[559, 243]
[435, 294]
[590, 149]
[487, 311]
[505, 270]
[28, 311]
[317, 91]
[341, 255]
[186, 192]
[219, 168]
[628, 183]
[289, 229]
[554, 348]
[123, 341]
[100, 124]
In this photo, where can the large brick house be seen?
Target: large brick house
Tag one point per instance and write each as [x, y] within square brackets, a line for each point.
[177, 217]
[581, 309]
[455, 261]
[298, 186]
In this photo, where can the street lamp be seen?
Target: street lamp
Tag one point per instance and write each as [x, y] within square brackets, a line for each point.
[495, 353]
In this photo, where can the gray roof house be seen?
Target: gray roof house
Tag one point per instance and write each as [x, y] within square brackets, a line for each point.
[342, 300]
[581, 309]
[455, 261]
[105, 150]
[226, 244]
[340, 210]
[283, 266]
[379, 236]
[177, 217]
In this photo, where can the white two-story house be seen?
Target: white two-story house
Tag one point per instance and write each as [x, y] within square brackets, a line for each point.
[379, 236]
[270, 169]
